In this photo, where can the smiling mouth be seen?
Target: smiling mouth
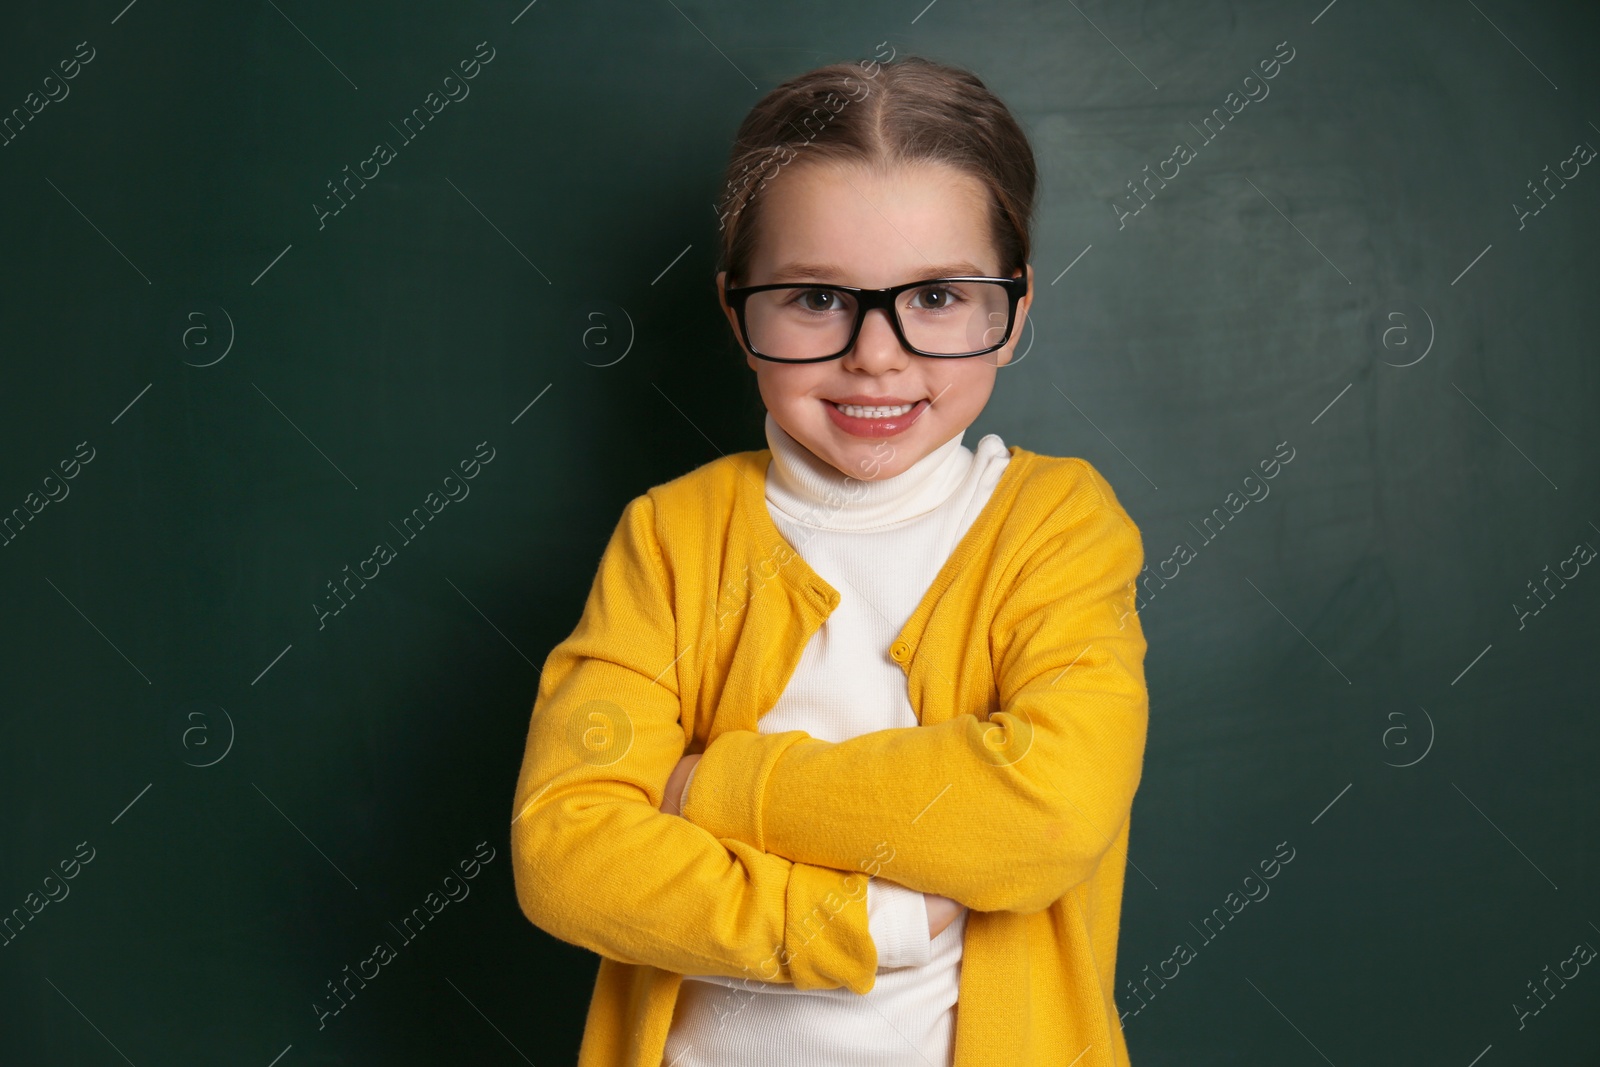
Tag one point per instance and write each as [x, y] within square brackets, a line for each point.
[876, 420]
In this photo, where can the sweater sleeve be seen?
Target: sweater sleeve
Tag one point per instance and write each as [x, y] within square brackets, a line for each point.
[1001, 813]
[898, 920]
[594, 860]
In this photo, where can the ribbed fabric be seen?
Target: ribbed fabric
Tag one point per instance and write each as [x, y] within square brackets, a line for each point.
[879, 543]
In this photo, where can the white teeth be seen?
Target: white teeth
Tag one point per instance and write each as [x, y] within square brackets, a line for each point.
[858, 412]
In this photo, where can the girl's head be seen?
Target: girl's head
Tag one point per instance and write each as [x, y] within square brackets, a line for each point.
[876, 176]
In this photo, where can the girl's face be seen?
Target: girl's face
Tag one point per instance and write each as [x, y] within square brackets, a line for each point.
[833, 223]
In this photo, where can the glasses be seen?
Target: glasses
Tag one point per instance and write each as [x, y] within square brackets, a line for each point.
[945, 318]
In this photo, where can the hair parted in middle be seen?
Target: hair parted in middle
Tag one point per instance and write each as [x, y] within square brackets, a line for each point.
[911, 110]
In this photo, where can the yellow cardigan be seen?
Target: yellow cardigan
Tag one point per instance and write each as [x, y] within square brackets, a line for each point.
[1025, 664]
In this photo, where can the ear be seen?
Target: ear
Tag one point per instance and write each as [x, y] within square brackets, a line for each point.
[722, 301]
[733, 319]
[1027, 299]
[1022, 318]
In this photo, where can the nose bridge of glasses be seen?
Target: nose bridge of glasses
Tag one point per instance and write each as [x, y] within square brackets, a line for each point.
[877, 333]
[888, 307]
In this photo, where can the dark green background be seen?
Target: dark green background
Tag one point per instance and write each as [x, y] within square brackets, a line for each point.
[456, 289]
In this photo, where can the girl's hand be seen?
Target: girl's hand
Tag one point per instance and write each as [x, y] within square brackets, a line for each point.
[942, 911]
[675, 781]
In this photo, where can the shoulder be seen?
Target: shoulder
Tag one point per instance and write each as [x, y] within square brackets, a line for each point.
[701, 502]
[717, 480]
[1060, 491]
[1066, 536]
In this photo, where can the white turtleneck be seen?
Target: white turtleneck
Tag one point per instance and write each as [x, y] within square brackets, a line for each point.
[880, 544]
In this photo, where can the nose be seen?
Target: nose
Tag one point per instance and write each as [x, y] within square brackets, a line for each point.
[877, 349]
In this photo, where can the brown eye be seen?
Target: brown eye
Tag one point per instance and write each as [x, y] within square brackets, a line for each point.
[818, 299]
[934, 298]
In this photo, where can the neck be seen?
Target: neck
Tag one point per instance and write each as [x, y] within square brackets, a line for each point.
[811, 490]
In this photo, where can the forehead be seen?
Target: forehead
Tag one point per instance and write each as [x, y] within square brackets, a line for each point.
[872, 227]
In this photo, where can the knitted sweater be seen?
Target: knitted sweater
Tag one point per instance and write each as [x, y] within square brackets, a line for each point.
[1023, 662]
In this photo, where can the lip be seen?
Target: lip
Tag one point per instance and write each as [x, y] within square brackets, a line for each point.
[875, 428]
[871, 401]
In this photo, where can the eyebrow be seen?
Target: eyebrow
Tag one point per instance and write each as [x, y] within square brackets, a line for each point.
[796, 271]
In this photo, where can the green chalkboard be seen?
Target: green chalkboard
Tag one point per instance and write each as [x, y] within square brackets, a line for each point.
[311, 447]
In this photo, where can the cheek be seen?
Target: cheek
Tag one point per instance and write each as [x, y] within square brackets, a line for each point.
[786, 386]
[778, 392]
[970, 388]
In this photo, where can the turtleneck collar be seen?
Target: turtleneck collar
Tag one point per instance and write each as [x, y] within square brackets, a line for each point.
[813, 492]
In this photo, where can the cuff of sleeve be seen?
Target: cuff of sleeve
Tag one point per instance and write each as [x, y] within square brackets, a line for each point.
[897, 918]
[826, 943]
[733, 771]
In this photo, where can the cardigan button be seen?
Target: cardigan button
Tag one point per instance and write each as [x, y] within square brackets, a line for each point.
[899, 650]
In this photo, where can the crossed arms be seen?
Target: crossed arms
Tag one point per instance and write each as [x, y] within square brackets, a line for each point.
[1001, 814]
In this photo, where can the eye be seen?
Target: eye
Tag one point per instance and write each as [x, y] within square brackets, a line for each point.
[816, 300]
[935, 297]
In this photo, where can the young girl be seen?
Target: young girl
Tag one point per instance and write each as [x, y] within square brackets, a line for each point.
[848, 733]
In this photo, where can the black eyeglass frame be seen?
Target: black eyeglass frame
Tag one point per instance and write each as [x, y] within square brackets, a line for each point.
[866, 300]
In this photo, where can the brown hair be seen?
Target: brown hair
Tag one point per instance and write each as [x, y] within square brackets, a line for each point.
[910, 110]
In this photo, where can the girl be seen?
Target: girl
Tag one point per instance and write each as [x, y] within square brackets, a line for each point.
[848, 733]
